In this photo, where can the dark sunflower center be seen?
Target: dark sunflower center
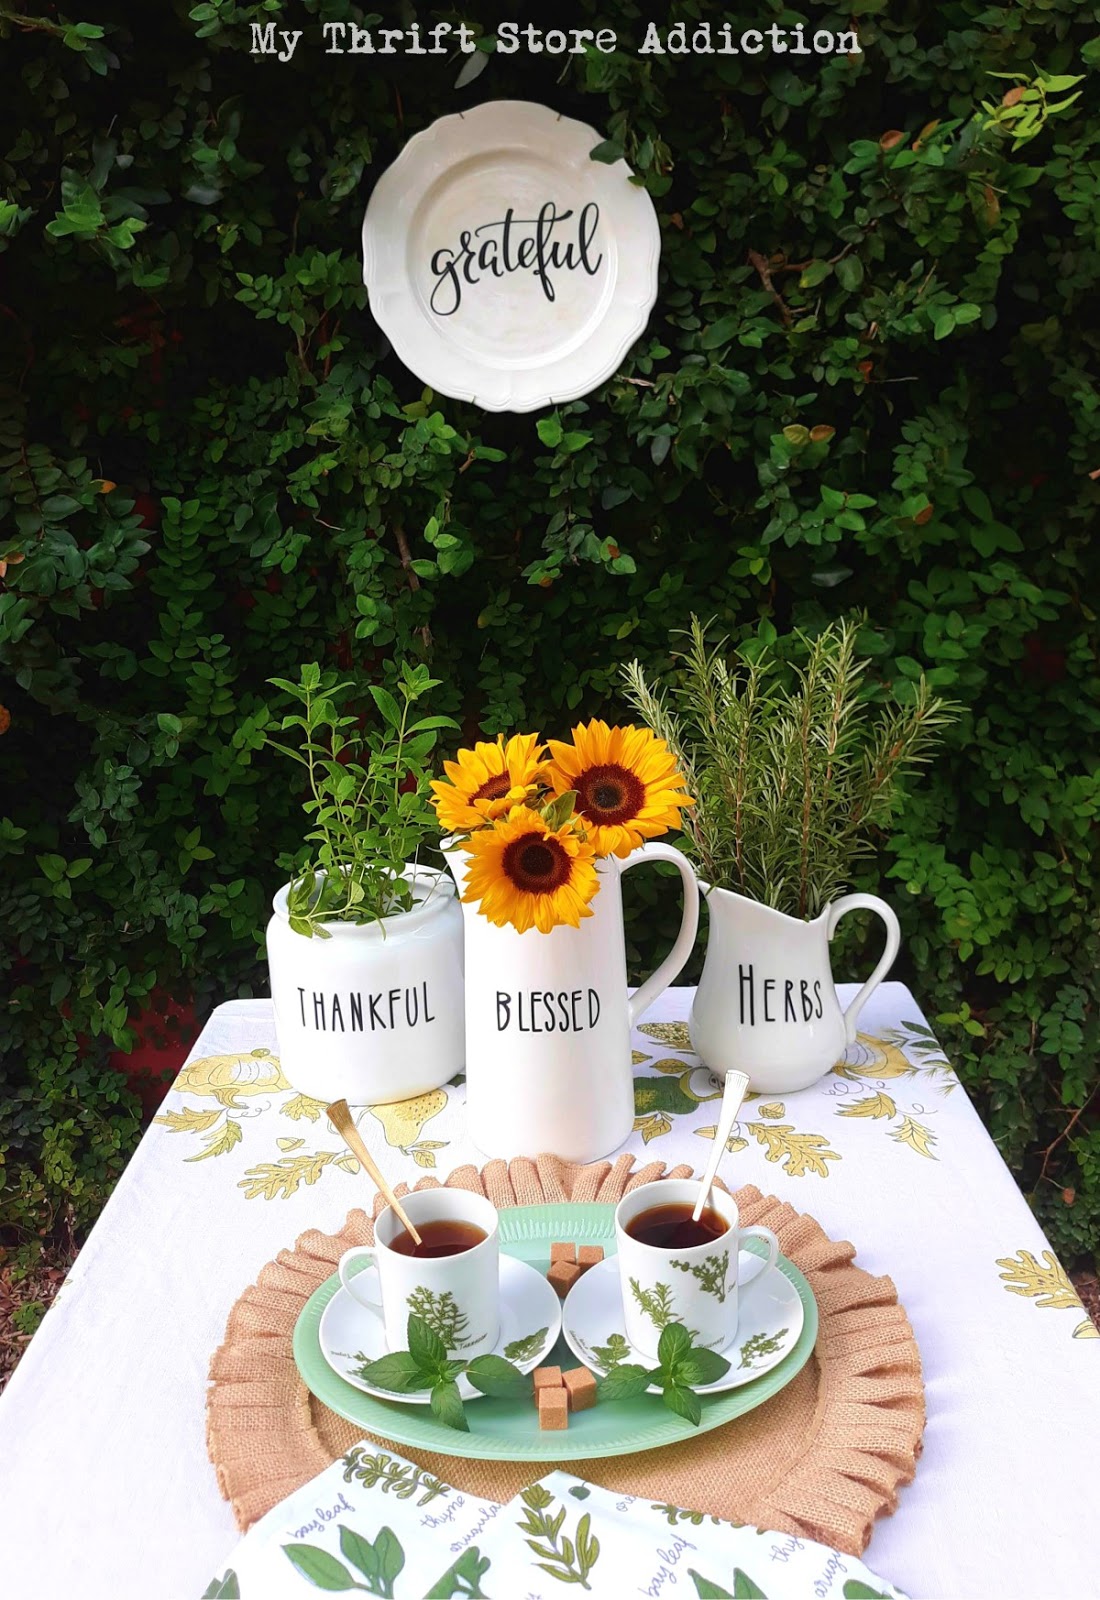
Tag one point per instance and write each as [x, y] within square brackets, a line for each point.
[536, 865]
[610, 795]
[493, 788]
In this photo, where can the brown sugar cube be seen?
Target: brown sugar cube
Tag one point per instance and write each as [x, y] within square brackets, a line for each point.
[562, 1252]
[547, 1378]
[553, 1410]
[589, 1255]
[580, 1386]
[563, 1275]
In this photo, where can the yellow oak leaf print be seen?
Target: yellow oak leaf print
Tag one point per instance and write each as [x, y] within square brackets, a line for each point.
[875, 1105]
[221, 1141]
[733, 1143]
[189, 1120]
[403, 1122]
[302, 1106]
[278, 1180]
[673, 1034]
[290, 1144]
[1048, 1285]
[1086, 1330]
[800, 1152]
[916, 1135]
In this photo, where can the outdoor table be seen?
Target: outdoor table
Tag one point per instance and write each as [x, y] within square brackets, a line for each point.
[106, 1489]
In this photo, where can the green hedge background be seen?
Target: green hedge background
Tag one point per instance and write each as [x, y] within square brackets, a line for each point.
[870, 384]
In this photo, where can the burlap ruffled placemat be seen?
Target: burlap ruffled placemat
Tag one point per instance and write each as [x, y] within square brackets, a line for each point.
[822, 1459]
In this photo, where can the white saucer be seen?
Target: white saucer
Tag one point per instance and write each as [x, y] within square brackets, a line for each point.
[351, 1335]
[769, 1313]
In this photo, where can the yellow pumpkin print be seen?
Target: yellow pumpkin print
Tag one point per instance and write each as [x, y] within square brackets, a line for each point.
[225, 1078]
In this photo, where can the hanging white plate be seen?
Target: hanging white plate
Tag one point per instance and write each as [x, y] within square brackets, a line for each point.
[505, 266]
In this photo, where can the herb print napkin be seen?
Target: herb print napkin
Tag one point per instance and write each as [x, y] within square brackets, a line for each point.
[376, 1524]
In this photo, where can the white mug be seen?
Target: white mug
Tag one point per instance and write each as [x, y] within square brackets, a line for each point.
[457, 1296]
[698, 1286]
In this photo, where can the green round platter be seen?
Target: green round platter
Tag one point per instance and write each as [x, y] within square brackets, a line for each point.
[508, 1430]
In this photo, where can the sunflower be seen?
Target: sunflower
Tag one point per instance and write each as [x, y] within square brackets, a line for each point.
[627, 784]
[487, 781]
[530, 874]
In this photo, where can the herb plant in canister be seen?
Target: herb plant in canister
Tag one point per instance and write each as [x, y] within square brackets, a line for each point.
[365, 947]
[793, 768]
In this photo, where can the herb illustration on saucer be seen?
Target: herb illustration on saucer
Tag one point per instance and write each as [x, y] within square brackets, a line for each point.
[522, 1349]
[760, 1346]
[711, 1274]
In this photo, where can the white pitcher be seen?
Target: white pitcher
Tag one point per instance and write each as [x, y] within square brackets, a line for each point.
[766, 1004]
[548, 1020]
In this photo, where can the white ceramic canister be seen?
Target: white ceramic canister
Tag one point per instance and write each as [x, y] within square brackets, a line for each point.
[376, 1011]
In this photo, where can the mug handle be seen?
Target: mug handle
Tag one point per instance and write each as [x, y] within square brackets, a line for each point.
[762, 1266]
[866, 902]
[355, 1254]
[674, 963]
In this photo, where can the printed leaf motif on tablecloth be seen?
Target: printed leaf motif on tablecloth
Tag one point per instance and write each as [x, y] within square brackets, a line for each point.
[1048, 1285]
[674, 1034]
[189, 1120]
[733, 1143]
[875, 1105]
[221, 1141]
[799, 1152]
[1086, 1330]
[302, 1105]
[773, 1111]
[278, 1180]
[287, 1145]
[652, 1125]
[680, 1088]
[916, 1135]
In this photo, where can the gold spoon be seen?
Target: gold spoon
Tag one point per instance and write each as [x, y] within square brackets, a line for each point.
[339, 1114]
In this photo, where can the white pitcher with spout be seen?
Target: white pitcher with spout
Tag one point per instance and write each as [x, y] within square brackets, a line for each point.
[766, 1004]
[548, 1020]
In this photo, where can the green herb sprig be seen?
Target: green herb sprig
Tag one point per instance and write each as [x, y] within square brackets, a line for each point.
[426, 1365]
[683, 1367]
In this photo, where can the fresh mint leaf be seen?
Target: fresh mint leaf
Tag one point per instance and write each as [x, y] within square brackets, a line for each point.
[701, 1366]
[446, 1407]
[623, 1383]
[685, 1403]
[425, 1346]
[495, 1376]
[673, 1346]
[400, 1372]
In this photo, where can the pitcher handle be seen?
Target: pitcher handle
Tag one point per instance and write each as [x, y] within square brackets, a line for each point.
[866, 902]
[674, 963]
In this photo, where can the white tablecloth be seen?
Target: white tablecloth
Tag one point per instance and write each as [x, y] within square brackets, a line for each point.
[106, 1492]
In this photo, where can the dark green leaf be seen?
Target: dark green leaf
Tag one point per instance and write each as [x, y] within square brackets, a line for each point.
[425, 1346]
[624, 1382]
[672, 1346]
[446, 1406]
[495, 1376]
[685, 1403]
[399, 1372]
